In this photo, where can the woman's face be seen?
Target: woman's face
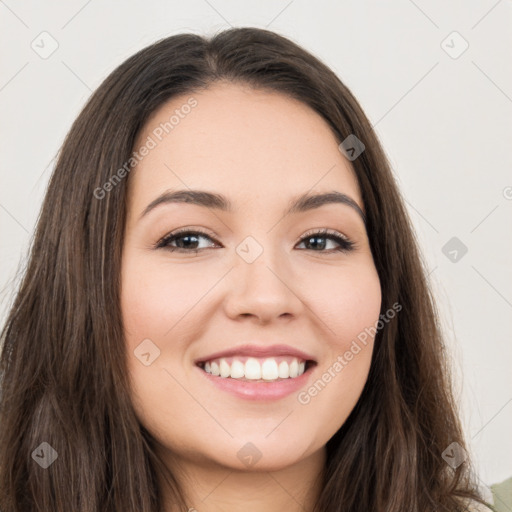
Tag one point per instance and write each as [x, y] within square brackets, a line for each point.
[263, 285]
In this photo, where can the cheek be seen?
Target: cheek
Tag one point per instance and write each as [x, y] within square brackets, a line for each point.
[156, 297]
[347, 303]
[349, 312]
[153, 300]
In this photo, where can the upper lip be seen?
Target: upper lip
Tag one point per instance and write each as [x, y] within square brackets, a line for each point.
[258, 351]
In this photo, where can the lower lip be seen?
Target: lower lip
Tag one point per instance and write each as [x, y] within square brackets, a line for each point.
[259, 390]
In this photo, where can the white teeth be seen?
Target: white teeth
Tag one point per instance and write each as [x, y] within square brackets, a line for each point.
[225, 369]
[255, 369]
[269, 370]
[284, 370]
[252, 369]
[294, 368]
[215, 368]
[237, 369]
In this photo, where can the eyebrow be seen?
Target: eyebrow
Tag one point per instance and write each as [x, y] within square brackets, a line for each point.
[300, 204]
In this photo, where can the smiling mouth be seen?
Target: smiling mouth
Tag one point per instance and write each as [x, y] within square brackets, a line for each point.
[255, 369]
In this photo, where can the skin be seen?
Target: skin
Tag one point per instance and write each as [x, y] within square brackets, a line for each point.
[260, 149]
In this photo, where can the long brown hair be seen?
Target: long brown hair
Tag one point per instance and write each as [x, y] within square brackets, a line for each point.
[63, 376]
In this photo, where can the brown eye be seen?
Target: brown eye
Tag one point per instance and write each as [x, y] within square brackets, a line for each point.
[344, 244]
[185, 240]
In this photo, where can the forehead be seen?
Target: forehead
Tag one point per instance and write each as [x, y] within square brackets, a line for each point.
[251, 145]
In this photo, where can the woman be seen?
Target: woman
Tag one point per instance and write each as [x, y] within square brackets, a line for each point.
[225, 306]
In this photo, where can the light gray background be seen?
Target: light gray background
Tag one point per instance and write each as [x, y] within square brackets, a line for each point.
[445, 123]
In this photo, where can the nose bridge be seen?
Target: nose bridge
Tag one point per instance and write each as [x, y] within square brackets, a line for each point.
[256, 258]
[260, 280]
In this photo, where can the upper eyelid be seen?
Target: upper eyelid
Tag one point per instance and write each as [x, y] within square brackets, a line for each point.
[185, 231]
[325, 231]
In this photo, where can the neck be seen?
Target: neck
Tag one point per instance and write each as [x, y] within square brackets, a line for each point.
[210, 488]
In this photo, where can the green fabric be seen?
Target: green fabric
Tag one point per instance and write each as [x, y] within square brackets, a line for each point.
[502, 494]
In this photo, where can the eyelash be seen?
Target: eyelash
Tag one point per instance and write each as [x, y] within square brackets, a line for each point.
[345, 244]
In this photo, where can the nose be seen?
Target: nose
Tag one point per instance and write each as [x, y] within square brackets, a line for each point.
[263, 289]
